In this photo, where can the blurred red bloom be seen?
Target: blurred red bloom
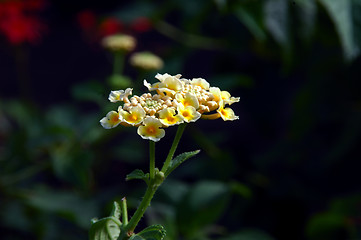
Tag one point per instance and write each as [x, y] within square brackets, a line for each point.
[87, 20]
[18, 21]
[110, 26]
[141, 24]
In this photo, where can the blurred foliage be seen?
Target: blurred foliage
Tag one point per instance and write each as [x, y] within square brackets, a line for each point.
[288, 169]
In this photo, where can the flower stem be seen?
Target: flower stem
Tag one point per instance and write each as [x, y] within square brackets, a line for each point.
[124, 211]
[176, 140]
[118, 63]
[152, 159]
[129, 229]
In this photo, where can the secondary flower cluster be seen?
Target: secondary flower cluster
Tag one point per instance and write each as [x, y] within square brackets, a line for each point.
[177, 100]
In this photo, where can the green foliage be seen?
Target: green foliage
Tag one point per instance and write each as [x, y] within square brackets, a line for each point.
[179, 160]
[104, 229]
[154, 232]
[138, 174]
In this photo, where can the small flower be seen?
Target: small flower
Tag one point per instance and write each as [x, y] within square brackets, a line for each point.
[151, 129]
[120, 95]
[134, 117]
[216, 93]
[227, 114]
[188, 100]
[111, 120]
[168, 117]
[227, 99]
[119, 42]
[188, 114]
[171, 85]
[200, 82]
[146, 61]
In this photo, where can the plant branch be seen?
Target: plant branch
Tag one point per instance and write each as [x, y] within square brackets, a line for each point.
[176, 140]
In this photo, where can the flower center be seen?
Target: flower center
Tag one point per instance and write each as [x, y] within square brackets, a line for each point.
[150, 103]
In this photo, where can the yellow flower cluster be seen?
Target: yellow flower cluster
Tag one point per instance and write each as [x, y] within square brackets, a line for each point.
[177, 100]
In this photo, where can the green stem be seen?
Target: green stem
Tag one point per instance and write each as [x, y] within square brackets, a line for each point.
[176, 140]
[118, 63]
[129, 229]
[124, 211]
[153, 184]
[152, 159]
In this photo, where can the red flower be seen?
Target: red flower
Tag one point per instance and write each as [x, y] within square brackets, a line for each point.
[16, 22]
[87, 20]
[110, 26]
[141, 24]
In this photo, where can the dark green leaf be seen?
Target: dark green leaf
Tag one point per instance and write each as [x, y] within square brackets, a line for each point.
[154, 232]
[104, 229]
[179, 160]
[341, 15]
[251, 15]
[138, 174]
[306, 11]
[203, 205]
[276, 17]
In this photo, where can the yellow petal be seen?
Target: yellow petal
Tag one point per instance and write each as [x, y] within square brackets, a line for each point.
[151, 129]
[111, 120]
[188, 114]
[188, 100]
[227, 114]
[168, 117]
[135, 115]
[200, 82]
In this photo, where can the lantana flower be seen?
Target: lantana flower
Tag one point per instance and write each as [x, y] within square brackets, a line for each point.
[169, 117]
[151, 129]
[134, 117]
[188, 113]
[111, 120]
[226, 113]
[176, 101]
[120, 95]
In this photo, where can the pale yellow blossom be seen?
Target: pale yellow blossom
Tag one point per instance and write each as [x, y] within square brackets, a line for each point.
[120, 95]
[227, 114]
[111, 120]
[168, 117]
[146, 61]
[151, 129]
[200, 82]
[134, 116]
[119, 42]
[188, 114]
[227, 98]
[187, 100]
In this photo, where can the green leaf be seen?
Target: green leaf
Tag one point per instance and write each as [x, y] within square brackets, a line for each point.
[276, 17]
[104, 229]
[306, 11]
[251, 15]
[179, 160]
[154, 232]
[138, 174]
[203, 205]
[340, 12]
[116, 211]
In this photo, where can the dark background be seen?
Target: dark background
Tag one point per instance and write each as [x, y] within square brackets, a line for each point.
[287, 169]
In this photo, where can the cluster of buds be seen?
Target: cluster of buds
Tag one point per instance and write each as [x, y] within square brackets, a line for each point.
[146, 61]
[119, 42]
[176, 100]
